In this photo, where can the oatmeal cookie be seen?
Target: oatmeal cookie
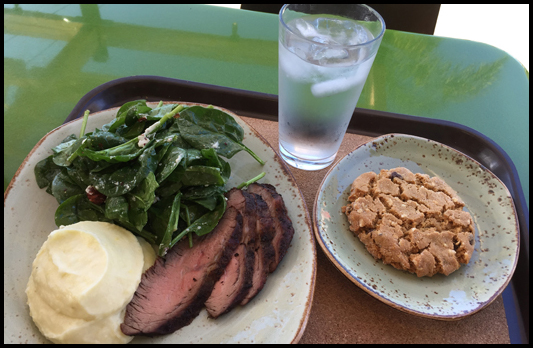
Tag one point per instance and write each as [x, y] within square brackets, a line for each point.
[413, 222]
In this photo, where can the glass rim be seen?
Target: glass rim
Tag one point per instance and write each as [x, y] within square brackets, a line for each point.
[378, 37]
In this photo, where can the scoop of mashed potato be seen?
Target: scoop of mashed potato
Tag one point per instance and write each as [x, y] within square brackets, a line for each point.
[82, 278]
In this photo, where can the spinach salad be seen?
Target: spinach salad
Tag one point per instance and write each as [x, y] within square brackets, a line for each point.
[159, 173]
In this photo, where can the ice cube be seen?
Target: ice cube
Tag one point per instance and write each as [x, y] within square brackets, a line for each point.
[359, 35]
[331, 31]
[292, 65]
[323, 54]
[338, 85]
[342, 31]
[350, 77]
[304, 28]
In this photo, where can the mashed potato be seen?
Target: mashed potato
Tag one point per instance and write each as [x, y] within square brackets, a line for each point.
[82, 278]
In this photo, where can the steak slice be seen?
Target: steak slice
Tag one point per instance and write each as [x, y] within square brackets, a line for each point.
[237, 278]
[230, 289]
[282, 222]
[173, 291]
[263, 248]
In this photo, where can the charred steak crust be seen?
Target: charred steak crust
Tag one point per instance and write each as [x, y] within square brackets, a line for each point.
[231, 288]
[282, 222]
[158, 306]
[265, 225]
[265, 253]
[232, 293]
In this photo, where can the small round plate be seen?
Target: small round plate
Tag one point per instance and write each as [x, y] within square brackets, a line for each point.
[462, 293]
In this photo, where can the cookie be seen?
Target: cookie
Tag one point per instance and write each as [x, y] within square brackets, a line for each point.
[413, 222]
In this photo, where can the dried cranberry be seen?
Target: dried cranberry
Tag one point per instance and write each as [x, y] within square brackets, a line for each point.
[94, 196]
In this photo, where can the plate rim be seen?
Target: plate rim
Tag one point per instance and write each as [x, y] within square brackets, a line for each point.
[308, 222]
[331, 258]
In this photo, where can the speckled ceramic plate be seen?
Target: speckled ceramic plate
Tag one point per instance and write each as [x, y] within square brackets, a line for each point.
[278, 314]
[462, 293]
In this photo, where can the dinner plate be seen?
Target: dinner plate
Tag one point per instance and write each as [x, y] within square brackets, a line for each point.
[465, 291]
[278, 314]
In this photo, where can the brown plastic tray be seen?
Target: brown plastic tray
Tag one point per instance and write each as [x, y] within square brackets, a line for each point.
[365, 122]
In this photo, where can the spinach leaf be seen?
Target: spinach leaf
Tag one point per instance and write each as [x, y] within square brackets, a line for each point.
[78, 208]
[211, 158]
[202, 175]
[64, 187]
[190, 212]
[79, 174]
[45, 171]
[134, 114]
[170, 161]
[163, 217]
[126, 178]
[88, 165]
[212, 128]
[100, 140]
[67, 212]
[116, 208]
[201, 138]
[206, 223]
[65, 143]
[129, 111]
[121, 153]
[194, 156]
[65, 156]
[225, 171]
[172, 128]
[171, 226]
[138, 218]
[206, 196]
[157, 113]
[81, 168]
[214, 120]
[133, 130]
[143, 196]
[208, 202]
[199, 192]
[127, 151]
[169, 188]
[158, 215]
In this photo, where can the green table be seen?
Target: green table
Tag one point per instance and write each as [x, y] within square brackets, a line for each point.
[54, 54]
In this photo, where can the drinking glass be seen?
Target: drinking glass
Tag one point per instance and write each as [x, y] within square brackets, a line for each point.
[325, 55]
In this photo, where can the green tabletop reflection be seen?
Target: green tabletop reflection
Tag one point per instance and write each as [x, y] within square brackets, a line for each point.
[54, 54]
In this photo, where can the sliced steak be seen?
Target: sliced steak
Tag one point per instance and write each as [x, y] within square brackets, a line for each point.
[264, 250]
[232, 286]
[173, 291]
[237, 278]
[282, 222]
